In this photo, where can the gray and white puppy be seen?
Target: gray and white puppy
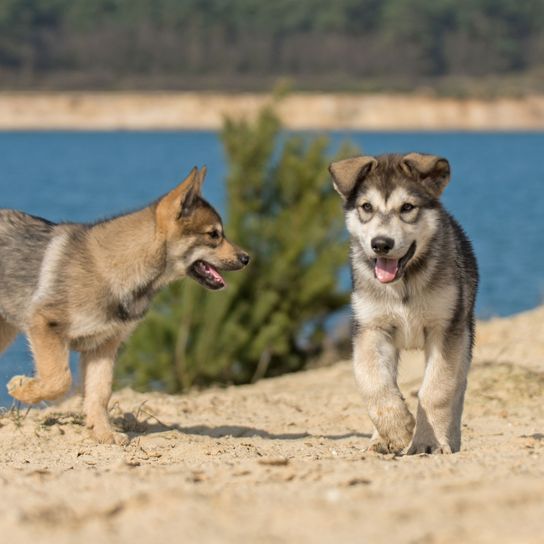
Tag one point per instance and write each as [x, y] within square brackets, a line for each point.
[414, 286]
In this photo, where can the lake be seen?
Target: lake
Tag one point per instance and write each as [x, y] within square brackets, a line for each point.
[496, 193]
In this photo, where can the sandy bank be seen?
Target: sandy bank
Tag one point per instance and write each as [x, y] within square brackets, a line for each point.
[283, 461]
[173, 111]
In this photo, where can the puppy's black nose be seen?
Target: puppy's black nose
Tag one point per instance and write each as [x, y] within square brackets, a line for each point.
[382, 245]
[243, 258]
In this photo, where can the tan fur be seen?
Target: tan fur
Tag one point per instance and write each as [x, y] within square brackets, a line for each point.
[169, 204]
[95, 282]
[97, 369]
[50, 352]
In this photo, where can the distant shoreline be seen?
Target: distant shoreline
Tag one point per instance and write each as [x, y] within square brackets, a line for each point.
[299, 111]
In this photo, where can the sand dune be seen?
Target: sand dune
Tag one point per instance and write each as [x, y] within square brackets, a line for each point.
[283, 461]
[316, 111]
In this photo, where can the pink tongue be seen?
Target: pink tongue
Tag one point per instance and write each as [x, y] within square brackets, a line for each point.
[386, 269]
[216, 276]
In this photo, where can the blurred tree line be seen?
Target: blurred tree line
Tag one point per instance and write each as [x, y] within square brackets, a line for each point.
[273, 316]
[234, 44]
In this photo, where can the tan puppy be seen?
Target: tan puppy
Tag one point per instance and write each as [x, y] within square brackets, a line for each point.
[85, 287]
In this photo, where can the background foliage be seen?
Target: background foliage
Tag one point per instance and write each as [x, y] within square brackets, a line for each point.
[250, 43]
[271, 318]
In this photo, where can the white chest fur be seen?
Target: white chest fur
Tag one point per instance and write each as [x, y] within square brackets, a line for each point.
[405, 314]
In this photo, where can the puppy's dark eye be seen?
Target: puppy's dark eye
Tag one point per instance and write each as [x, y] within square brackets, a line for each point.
[214, 234]
[407, 207]
[367, 207]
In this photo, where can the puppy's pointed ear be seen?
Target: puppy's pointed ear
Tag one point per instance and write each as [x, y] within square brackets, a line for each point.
[194, 190]
[171, 205]
[431, 171]
[202, 176]
[347, 174]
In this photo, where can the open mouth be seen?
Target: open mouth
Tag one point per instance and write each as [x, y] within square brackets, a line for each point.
[207, 275]
[388, 270]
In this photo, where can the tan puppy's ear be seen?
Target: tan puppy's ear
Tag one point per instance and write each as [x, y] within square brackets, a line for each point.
[431, 171]
[194, 191]
[348, 173]
[202, 177]
[170, 206]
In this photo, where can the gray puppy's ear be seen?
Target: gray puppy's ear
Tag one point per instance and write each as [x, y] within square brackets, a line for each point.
[348, 173]
[431, 171]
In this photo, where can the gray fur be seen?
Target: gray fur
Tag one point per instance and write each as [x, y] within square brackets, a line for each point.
[23, 240]
[429, 304]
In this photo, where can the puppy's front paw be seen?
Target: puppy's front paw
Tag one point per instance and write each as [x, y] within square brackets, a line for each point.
[394, 429]
[383, 446]
[121, 439]
[379, 445]
[427, 446]
[109, 436]
[24, 389]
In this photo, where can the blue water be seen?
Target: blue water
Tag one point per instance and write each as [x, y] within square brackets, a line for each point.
[496, 193]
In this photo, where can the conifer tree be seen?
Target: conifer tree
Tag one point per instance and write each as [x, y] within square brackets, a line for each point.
[271, 318]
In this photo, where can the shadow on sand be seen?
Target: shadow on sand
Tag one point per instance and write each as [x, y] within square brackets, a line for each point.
[137, 428]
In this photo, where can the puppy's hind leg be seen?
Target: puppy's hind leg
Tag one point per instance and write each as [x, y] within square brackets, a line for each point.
[7, 334]
[375, 361]
[97, 366]
[50, 350]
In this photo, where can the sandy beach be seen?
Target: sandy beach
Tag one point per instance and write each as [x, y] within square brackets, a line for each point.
[312, 111]
[283, 461]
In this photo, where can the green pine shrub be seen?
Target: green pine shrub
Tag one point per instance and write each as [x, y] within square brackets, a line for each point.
[271, 318]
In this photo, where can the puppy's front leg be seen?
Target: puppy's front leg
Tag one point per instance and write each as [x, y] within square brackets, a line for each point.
[50, 350]
[375, 361]
[438, 421]
[97, 366]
